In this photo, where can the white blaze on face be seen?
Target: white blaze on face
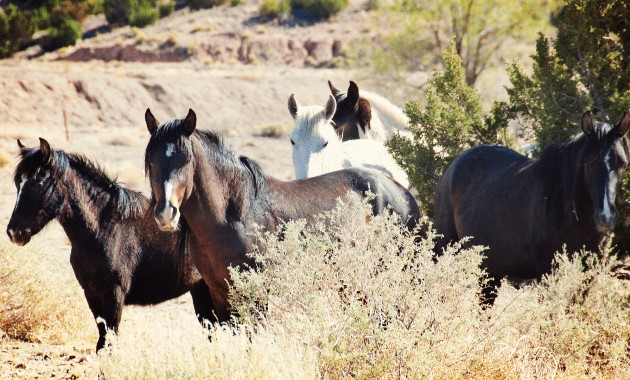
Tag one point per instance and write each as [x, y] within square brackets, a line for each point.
[170, 149]
[168, 192]
[20, 187]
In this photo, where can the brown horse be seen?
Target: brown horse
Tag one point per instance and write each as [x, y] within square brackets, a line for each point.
[118, 254]
[223, 197]
[525, 210]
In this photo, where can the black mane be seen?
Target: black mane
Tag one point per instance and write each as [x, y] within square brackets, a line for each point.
[127, 203]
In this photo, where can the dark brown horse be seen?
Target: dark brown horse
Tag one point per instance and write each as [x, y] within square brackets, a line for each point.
[223, 196]
[366, 115]
[119, 256]
[525, 210]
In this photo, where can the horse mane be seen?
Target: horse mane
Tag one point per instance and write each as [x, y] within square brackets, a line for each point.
[389, 114]
[561, 165]
[127, 203]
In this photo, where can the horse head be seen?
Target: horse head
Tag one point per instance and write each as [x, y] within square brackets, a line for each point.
[352, 113]
[605, 158]
[38, 197]
[313, 134]
[169, 166]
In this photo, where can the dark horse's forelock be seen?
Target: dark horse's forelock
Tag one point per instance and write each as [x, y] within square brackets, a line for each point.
[127, 203]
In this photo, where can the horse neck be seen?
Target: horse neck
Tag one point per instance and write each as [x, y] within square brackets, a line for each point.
[217, 184]
[386, 115]
[83, 206]
[563, 172]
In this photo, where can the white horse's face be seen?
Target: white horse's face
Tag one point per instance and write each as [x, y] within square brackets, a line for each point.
[313, 138]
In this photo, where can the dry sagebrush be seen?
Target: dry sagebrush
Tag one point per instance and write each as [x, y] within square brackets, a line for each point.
[372, 302]
[341, 298]
[37, 304]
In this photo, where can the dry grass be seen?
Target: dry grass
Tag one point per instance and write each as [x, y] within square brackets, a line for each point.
[5, 159]
[38, 304]
[340, 299]
[275, 130]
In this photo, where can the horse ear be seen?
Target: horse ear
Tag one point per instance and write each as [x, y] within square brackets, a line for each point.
[353, 93]
[333, 89]
[190, 122]
[293, 106]
[20, 145]
[587, 123]
[152, 122]
[44, 146]
[331, 107]
[624, 124]
[364, 113]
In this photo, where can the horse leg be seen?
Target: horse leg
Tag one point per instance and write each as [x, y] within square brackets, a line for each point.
[202, 302]
[96, 307]
[489, 288]
[107, 312]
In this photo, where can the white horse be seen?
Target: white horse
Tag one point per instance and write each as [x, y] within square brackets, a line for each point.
[367, 115]
[317, 149]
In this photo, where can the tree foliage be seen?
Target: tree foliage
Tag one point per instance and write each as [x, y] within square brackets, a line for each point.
[587, 66]
[451, 121]
[16, 29]
[477, 27]
[131, 12]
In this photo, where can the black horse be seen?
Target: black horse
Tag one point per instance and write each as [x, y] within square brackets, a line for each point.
[525, 210]
[223, 197]
[119, 256]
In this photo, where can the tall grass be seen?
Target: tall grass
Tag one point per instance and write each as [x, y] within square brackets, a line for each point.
[36, 303]
[342, 299]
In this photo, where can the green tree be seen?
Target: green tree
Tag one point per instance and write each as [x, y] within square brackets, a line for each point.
[478, 28]
[16, 29]
[133, 12]
[451, 121]
[587, 66]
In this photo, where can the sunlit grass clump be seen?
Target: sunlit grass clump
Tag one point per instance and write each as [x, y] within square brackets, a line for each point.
[37, 303]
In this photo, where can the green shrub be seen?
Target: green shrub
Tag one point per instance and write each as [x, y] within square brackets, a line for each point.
[319, 9]
[133, 12]
[166, 8]
[451, 122]
[65, 33]
[16, 29]
[275, 8]
[144, 16]
[204, 4]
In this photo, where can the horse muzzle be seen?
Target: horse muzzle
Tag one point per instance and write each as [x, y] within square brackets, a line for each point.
[605, 222]
[167, 219]
[19, 237]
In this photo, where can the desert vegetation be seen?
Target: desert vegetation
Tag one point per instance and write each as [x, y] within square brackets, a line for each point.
[314, 306]
[336, 298]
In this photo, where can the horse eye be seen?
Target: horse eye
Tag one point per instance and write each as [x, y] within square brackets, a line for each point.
[325, 144]
[292, 142]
